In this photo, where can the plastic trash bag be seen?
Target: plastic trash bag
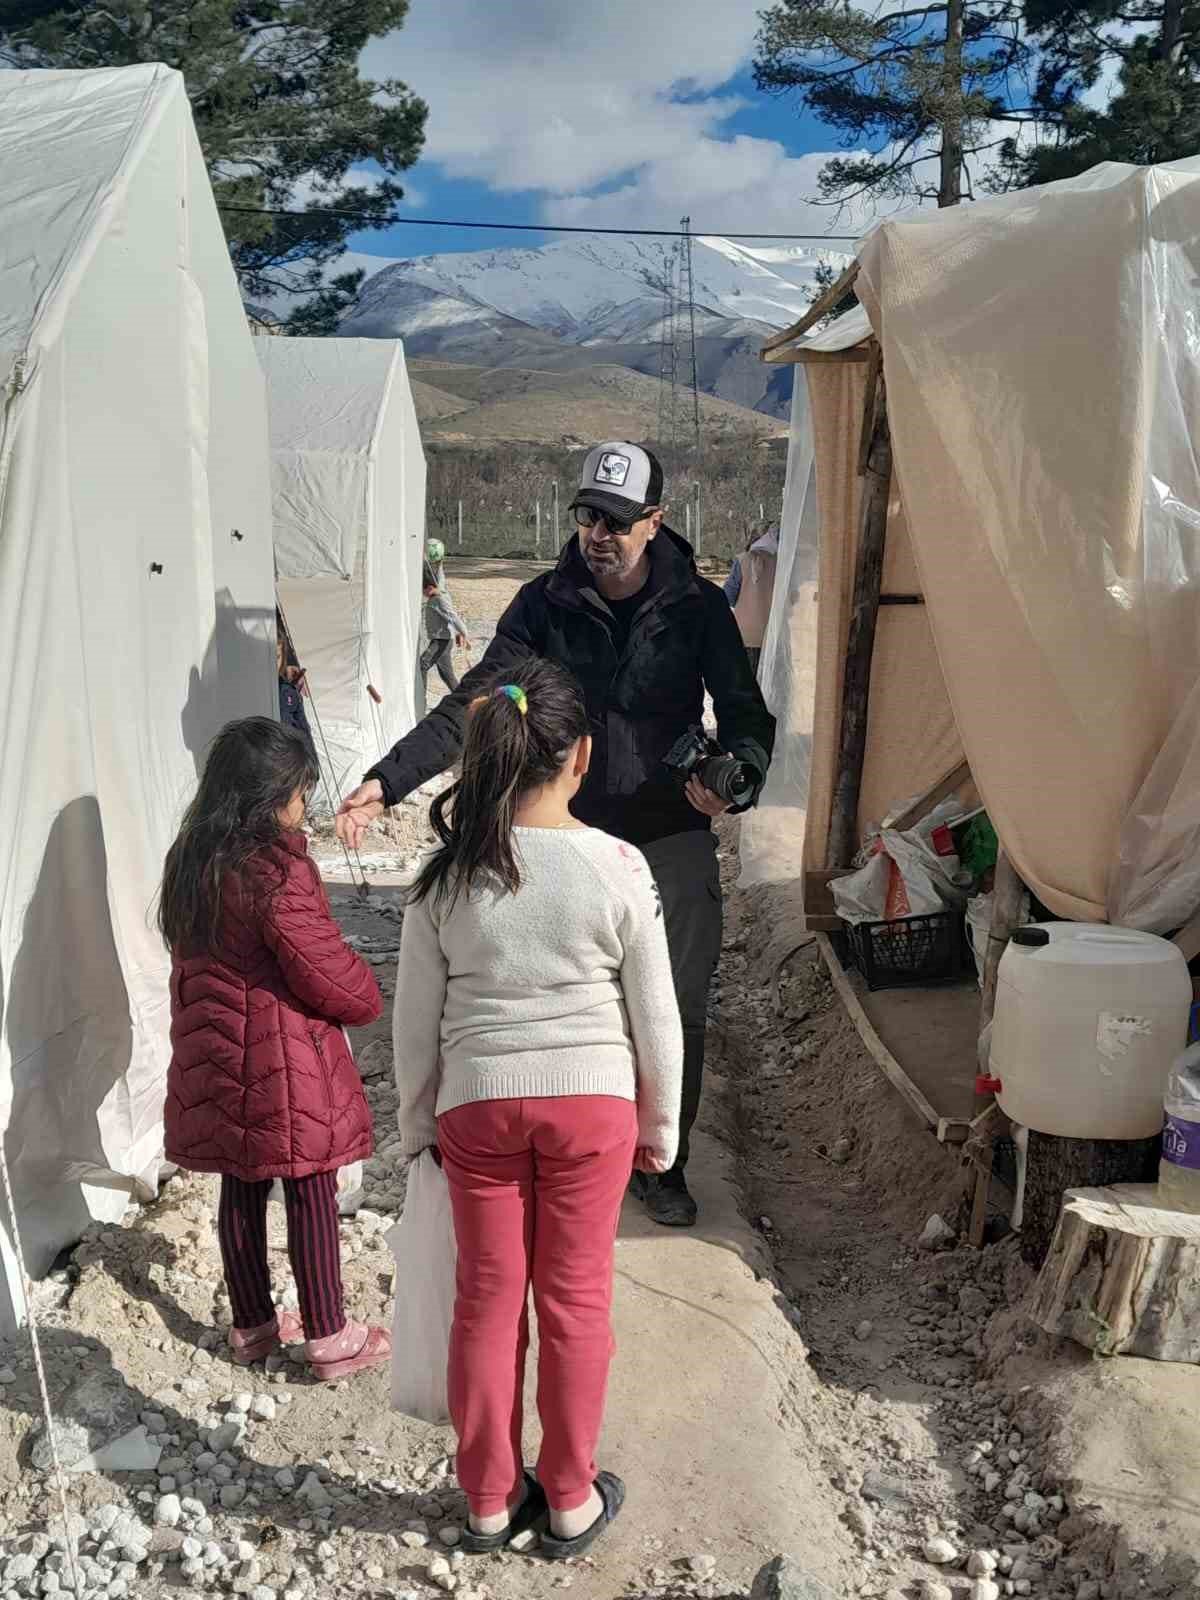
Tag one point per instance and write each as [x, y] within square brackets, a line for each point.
[911, 874]
[426, 1254]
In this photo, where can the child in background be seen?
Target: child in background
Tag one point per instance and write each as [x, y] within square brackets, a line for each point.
[539, 1048]
[262, 1084]
[444, 628]
[291, 686]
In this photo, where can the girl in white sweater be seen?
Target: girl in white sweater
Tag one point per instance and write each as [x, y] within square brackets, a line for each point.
[539, 1051]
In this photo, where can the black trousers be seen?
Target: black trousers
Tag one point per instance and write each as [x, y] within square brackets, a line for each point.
[439, 653]
[689, 884]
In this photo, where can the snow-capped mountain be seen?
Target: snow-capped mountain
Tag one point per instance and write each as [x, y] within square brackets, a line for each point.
[595, 298]
[594, 288]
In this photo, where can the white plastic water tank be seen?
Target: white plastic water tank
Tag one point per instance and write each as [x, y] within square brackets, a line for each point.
[1088, 1021]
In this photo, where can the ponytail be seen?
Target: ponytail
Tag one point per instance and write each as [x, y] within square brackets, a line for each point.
[520, 732]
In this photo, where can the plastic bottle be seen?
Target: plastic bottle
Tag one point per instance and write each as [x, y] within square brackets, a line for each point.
[1179, 1173]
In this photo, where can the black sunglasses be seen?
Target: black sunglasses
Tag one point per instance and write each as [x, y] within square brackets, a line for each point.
[587, 517]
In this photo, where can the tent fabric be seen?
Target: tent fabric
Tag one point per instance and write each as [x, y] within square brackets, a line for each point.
[348, 481]
[1044, 431]
[911, 736]
[132, 446]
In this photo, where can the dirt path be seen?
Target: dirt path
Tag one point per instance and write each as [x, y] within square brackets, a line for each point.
[796, 1375]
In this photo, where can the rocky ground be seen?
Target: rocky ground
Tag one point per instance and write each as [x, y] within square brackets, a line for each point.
[907, 1432]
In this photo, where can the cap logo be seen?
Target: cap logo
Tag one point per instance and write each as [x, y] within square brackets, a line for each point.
[613, 469]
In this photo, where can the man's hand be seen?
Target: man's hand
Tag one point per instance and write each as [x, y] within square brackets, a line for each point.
[358, 811]
[462, 641]
[704, 799]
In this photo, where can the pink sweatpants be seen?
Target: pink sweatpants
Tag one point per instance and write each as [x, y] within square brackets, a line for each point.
[536, 1187]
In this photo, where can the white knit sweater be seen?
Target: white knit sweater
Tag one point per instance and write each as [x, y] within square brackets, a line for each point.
[561, 989]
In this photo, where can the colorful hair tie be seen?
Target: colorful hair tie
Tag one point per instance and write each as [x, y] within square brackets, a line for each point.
[515, 693]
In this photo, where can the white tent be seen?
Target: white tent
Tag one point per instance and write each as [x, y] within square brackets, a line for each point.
[135, 609]
[349, 486]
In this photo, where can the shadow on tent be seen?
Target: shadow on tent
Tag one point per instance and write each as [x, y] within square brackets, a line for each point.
[240, 653]
[67, 1024]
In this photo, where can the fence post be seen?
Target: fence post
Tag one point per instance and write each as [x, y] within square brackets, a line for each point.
[460, 524]
[537, 538]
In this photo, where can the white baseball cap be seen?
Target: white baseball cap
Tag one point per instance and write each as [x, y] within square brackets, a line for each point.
[621, 478]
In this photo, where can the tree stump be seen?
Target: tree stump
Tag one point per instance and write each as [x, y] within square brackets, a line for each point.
[1056, 1165]
[1123, 1276]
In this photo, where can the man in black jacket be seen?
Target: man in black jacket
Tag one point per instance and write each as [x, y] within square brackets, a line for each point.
[626, 611]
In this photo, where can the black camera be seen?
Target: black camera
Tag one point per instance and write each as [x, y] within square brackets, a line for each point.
[695, 755]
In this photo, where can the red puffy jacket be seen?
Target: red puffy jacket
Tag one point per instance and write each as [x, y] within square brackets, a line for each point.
[262, 1083]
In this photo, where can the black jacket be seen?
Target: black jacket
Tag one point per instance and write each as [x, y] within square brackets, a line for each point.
[683, 640]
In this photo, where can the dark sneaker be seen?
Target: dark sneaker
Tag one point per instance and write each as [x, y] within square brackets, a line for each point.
[666, 1199]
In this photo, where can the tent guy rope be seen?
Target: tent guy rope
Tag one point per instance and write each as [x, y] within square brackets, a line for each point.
[31, 1323]
[328, 777]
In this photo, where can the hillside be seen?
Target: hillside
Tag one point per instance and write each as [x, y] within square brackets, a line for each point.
[595, 301]
[571, 408]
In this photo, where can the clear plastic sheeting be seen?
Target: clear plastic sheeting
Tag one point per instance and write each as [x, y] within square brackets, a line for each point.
[348, 474]
[133, 447]
[1044, 424]
[772, 836]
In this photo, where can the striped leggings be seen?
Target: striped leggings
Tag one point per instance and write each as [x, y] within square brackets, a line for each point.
[313, 1248]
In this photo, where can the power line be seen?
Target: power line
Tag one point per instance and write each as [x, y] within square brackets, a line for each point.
[533, 227]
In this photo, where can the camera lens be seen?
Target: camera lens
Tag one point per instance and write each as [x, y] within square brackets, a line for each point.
[731, 779]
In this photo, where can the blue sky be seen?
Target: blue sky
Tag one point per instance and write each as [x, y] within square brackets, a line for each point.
[618, 113]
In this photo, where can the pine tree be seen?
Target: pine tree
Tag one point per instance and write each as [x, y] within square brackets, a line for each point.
[283, 114]
[924, 85]
[1154, 115]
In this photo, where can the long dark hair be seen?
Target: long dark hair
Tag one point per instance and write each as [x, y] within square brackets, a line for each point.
[254, 767]
[516, 742]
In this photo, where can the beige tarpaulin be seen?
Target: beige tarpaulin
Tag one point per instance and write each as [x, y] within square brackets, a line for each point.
[1043, 423]
[912, 740]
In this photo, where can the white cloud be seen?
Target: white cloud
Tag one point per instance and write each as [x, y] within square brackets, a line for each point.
[615, 113]
[568, 99]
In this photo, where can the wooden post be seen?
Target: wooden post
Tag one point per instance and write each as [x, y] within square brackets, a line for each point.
[860, 646]
[1008, 894]
[460, 524]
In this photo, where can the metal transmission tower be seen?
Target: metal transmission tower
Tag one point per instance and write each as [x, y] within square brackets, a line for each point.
[688, 294]
[668, 368]
[679, 421]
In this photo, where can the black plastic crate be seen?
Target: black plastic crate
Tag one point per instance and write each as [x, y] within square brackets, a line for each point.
[911, 951]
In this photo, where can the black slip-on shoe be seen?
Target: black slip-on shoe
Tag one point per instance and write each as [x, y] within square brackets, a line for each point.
[612, 1492]
[532, 1510]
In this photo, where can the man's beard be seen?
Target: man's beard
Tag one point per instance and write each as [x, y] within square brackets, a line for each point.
[612, 562]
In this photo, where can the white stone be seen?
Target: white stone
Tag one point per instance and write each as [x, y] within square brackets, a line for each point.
[940, 1551]
[168, 1513]
[264, 1408]
[985, 1589]
[525, 1542]
[937, 1234]
[702, 1566]
[242, 1403]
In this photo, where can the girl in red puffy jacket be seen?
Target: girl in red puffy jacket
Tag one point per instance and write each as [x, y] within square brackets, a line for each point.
[262, 1084]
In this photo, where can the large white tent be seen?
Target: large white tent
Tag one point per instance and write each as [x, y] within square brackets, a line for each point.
[349, 502]
[136, 609]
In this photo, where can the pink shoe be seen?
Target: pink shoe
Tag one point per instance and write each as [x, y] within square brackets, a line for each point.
[356, 1348]
[248, 1345]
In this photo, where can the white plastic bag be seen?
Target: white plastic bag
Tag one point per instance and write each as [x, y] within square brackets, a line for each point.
[426, 1255]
